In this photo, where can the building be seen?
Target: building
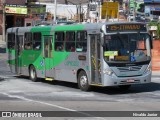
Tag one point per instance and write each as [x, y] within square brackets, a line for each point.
[1, 16]
[15, 12]
[152, 8]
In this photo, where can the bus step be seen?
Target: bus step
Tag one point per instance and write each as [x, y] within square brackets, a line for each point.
[49, 79]
[96, 84]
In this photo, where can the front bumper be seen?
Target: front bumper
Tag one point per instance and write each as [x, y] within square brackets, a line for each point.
[114, 80]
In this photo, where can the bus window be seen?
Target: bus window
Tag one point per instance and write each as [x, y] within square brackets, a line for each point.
[59, 41]
[48, 46]
[46, 50]
[11, 41]
[37, 41]
[70, 41]
[28, 41]
[81, 41]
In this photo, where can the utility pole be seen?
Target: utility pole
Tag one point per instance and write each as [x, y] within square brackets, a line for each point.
[4, 19]
[55, 10]
[80, 16]
[88, 11]
[77, 12]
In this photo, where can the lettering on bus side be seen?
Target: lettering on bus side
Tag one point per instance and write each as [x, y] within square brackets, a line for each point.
[72, 63]
[126, 27]
[31, 57]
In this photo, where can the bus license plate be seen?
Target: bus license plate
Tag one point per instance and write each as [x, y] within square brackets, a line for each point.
[130, 80]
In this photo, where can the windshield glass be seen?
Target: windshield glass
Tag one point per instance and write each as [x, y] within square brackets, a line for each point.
[127, 47]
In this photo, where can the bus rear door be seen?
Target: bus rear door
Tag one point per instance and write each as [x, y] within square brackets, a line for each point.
[95, 59]
[18, 53]
[48, 56]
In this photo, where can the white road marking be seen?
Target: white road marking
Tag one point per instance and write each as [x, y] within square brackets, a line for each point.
[53, 105]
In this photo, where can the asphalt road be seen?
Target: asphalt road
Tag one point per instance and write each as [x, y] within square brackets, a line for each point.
[21, 94]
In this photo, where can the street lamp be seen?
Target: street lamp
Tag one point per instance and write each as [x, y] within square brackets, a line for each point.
[55, 10]
[80, 16]
[4, 19]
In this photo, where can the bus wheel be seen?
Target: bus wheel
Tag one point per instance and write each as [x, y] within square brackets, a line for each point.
[33, 74]
[124, 87]
[83, 81]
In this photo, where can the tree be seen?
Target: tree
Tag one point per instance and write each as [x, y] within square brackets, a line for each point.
[158, 27]
[141, 9]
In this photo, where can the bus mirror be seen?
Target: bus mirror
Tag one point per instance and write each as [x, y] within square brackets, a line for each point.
[102, 41]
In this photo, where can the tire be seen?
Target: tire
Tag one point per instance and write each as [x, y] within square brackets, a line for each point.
[124, 87]
[33, 74]
[83, 81]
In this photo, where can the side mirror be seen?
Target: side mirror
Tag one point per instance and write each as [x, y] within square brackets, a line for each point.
[102, 39]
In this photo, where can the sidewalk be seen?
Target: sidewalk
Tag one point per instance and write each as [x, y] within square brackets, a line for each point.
[2, 43]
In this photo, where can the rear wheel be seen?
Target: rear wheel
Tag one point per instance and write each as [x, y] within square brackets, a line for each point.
[33, 74]
[124, 87]
[83, 81]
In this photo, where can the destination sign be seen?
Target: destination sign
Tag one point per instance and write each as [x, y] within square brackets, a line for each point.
[126, 27]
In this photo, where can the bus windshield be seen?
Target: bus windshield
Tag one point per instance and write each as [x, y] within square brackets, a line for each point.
[126, 48]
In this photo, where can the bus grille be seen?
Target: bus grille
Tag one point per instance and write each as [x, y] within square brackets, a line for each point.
[129, 68]
[125, 82]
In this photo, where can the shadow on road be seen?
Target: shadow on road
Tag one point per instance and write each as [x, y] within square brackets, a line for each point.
[150, 87]
[141, 88]
[62, 83]
[55, 82]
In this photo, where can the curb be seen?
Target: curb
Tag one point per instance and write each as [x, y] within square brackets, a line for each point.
[156, 73]
[2, 44]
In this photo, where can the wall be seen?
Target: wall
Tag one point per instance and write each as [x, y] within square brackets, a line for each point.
[1, 17]
[156, 55]
[19, 2]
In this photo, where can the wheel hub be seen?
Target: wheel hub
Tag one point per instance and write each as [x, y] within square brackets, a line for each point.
[83, 81]
[32, 73]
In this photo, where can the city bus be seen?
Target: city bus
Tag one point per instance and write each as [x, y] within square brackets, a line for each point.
[91, 54]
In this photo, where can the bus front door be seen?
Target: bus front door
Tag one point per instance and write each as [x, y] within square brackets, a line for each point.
[18, 59]
[48, 56]
[95, 59]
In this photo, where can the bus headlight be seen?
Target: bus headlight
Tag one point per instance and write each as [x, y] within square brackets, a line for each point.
[108, 72]
[149, 69]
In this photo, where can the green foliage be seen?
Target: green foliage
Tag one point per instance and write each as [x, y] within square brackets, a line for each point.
[152, 23]
[141, 7]
[158, 30]
[158, 27]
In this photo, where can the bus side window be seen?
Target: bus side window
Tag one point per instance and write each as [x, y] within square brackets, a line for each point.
[70, 41]
[46, 50]
[81, 41]
[11, 41]
[59, 41]
[27, 46]
[48, 47]
[28, 41]
[37, 41]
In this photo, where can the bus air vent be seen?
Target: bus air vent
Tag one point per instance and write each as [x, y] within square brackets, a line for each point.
[129, 68]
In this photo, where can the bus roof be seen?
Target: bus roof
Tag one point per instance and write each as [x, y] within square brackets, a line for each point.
[58, 27]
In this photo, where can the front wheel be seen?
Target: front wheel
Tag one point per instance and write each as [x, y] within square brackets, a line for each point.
[33, 74]
[83, 81]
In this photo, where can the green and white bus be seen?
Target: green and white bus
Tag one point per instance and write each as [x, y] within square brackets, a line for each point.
[92, 54]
